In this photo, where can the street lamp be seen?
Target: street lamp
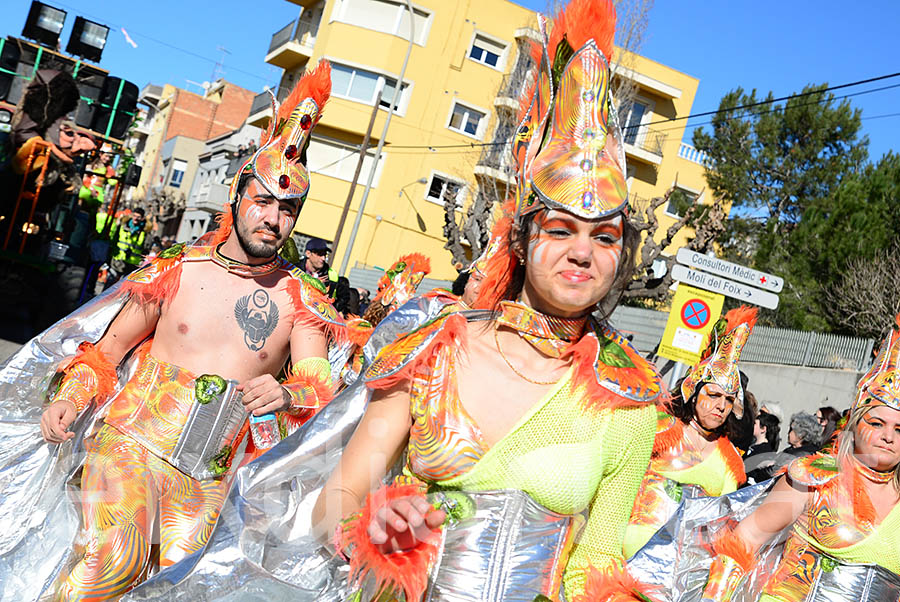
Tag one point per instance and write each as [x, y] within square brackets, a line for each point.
[402, 192]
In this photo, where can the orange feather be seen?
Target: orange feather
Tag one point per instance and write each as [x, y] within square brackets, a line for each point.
[405, 571]
[741, 315]
[305, 318]
[226, 222]
[315, 84]
[501, 265]
[728, 543]
[615, 584]
[90, 356]
[583, 20]
[733, 459]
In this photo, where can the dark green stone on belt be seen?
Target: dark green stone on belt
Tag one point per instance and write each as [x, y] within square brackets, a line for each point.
[208, 387]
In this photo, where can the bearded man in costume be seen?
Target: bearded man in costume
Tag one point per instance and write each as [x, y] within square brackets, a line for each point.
[208, 328]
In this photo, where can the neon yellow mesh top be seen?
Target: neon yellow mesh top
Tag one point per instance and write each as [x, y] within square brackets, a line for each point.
[565, 457]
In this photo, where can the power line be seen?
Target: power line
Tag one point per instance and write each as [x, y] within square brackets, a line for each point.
[166, 44]
[472, 145]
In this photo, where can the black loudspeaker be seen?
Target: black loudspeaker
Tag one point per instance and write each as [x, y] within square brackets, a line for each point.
[9, 61]
[87, 105]
[132, 175]
[114, 123]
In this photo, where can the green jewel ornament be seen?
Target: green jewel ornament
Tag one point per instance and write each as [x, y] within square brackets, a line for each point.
[173, 251]
[209, 387]
[401, 265]
[313, 282]
[289, 252]
[612, 354]
[542, 598]
[828, 463]
[674, 490]
[828, 563]
[218, 464]
[457, 505]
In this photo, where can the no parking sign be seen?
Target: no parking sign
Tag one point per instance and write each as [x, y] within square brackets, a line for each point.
[693, 314]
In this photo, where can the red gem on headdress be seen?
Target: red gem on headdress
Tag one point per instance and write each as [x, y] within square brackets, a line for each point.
[284, 180]
[290, 152]
[305, 122]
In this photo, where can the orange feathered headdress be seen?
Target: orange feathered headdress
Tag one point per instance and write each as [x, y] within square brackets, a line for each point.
[881, 384]
[568, 147]
[278, 164]
[400, 281]
[720, 358]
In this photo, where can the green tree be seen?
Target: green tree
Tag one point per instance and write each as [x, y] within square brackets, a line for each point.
[777, 163]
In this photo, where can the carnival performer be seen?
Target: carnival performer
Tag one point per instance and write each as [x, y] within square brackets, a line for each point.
[211, 327]
[841, 507]
[530, 404]
[695, 436]
[397, 286]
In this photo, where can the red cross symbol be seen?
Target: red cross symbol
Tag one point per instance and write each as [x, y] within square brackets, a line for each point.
[762, 279]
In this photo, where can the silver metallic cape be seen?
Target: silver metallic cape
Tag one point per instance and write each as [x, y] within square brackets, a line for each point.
[262, 547]
[38, 519]
[676, 559]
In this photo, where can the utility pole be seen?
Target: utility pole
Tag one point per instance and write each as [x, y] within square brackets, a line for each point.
[387, 122]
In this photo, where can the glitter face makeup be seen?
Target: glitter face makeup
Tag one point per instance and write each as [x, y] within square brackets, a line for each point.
[571, 262]
[713, 406]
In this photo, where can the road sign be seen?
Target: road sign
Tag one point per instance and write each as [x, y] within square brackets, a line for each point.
[745, 293]
[732, 271]
[693, 313]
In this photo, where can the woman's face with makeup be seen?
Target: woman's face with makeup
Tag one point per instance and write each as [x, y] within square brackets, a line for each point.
[877, 438]
[570, 262]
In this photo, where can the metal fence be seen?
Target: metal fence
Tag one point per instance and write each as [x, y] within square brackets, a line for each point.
[767, 345]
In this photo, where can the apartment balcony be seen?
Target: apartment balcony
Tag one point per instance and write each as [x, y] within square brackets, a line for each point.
[210, 198]
[260, 110]
[689, 153]
[292, 45]
[645, 145]
[495, 162]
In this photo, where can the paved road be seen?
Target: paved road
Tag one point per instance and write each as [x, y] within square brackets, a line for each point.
[7, 348]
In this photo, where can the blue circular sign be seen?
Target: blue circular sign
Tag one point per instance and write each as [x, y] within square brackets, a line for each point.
[695, 314]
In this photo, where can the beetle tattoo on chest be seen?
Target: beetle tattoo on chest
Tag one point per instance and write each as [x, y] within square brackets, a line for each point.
[257, 316]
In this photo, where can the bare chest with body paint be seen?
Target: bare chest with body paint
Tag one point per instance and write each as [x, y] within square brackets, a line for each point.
[221, 323]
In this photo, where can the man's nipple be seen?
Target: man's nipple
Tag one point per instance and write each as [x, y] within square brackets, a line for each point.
[182, 328]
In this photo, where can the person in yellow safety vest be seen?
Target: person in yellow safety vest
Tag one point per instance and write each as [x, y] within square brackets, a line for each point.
[102, 216]
[130, 242]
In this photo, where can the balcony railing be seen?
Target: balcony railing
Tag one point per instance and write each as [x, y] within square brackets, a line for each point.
[644, 143]
[292, 44]
[261, 102]
[686, 151]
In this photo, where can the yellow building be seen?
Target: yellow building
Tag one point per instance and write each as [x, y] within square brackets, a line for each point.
[459, 95]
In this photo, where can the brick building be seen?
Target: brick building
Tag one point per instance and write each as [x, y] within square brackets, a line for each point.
[178, 113]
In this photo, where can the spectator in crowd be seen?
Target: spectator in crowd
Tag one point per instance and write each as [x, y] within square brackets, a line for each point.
[804, 436]
[315, 264]
[765, 435]
[828, 418]
[352, 303]
[364, 299]
[763, 457]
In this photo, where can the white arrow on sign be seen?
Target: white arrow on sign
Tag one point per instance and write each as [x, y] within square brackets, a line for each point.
[729, 270]
[729, 288]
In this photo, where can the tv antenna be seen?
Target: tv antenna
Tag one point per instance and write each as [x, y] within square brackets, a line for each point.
[219, 69]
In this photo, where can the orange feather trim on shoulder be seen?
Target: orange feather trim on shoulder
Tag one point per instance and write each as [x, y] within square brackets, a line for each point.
[453, 332]
[615, 584]
[226, 223]
[359, 331]
[669, 434]
[500, 265]
[305, 317]
[161, 288]
[89, 355]
[732, 459]
[405, 571]
[728, 543]
[582, 20]
[598, 398]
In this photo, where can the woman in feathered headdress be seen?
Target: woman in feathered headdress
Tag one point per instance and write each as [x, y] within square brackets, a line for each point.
[697, 432]
[533, 420]
[841, 506]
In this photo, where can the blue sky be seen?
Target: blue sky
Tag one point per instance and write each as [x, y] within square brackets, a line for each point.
[769, 45]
